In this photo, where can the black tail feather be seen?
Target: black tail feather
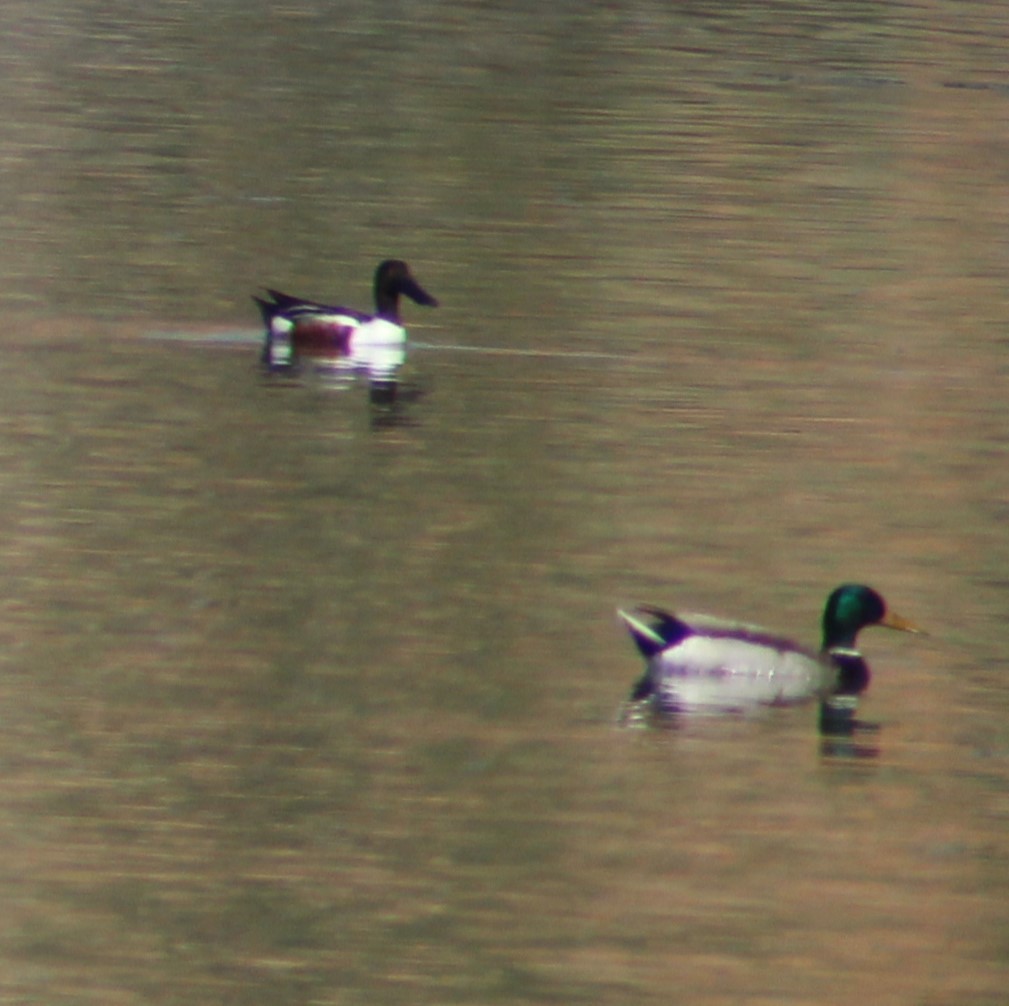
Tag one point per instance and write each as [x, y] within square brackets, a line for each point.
[656, 633]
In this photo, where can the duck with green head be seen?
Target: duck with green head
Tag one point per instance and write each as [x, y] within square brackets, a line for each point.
[699, 664]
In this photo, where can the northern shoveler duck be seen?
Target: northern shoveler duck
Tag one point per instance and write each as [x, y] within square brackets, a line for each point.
[707, 665]
[339, 337]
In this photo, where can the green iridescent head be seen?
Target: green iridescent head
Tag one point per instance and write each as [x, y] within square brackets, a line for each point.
[852, 607]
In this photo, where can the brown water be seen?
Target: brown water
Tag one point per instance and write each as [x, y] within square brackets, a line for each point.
[301, 709]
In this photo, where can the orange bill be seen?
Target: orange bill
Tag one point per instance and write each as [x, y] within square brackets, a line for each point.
[894, 621]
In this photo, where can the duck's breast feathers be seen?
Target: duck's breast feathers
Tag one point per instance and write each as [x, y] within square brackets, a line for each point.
[379, 332]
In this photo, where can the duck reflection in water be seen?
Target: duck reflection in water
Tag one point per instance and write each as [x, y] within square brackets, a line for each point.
[341, 344]
[697, 664]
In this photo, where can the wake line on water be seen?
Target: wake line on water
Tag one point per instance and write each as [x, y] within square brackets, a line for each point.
[243, 337]
[562, 354]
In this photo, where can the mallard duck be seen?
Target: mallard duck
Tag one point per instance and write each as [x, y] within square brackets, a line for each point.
[341, 338]
[701, 664]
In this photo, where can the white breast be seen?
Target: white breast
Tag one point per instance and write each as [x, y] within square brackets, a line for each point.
[378, 346]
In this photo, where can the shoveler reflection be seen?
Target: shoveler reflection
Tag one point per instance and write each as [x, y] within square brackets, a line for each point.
[341, 340]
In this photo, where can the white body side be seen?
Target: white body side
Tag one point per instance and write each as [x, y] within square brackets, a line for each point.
[725, 674]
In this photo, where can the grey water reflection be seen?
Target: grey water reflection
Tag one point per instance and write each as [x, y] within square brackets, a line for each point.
[298, 710]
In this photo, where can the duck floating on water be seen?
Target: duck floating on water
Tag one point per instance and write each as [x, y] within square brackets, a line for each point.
[700, 664]
[339, 338]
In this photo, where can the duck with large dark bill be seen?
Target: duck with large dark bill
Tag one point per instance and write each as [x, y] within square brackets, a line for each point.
[700, 664]
[341, 338]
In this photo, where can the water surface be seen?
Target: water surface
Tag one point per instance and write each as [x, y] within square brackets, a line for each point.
[303, 708]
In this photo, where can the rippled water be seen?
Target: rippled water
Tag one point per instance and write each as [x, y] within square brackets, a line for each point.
[302, 707]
